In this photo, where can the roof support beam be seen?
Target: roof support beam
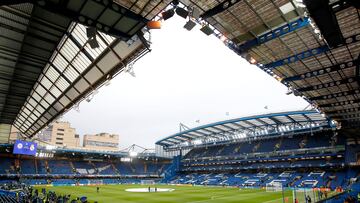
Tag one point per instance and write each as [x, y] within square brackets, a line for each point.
[169, 141]
[340, 94]
[195, 135]
[342, 103]
[293, 120]
[357, 69]
[198, 132]
[308, 118]
[263, 122]
[12, 81]
[186, 136]
[353, 115]
[13, 2]
[326, 85]
[343, 111]
[81, 48]
[251, 124]
[295, 58]
[273, 34]
[325, 19]
[228, 127]
[219, 8]
[275, 120]
[343, 4]
[326, 70]
[210, 131]
[219, 129]
[61, 9]
[238, 125]
[305, 54]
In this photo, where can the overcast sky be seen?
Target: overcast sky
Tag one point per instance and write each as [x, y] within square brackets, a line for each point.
[188, 76]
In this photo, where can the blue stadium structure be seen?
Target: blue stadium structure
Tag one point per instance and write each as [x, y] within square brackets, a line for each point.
[296, 149]
[70, 167]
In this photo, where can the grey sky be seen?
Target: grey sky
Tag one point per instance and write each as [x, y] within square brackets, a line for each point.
[188, 76]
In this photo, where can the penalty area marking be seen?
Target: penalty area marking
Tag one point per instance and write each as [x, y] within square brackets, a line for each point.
[147, 190]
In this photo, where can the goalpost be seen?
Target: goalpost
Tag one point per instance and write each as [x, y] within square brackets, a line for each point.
[300, 194]
[274, 187]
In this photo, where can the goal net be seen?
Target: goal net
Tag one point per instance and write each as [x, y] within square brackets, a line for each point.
[314, 194]
[274, 187]
[147, 182]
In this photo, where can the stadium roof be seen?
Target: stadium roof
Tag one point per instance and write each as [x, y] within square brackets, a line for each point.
[247, 127]
[313, 51]
[47, 65]
[46, 62]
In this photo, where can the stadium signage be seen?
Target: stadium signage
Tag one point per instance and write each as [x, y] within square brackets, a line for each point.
[24, 147]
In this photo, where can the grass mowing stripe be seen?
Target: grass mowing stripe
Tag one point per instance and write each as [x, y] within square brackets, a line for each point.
[182, 194]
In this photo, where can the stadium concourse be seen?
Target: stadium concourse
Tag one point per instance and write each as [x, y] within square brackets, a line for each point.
[55, 54]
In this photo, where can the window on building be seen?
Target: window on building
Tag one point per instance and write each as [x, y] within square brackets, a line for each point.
[102, 144]
[59, 138]
[60, 133]
[77, 136]
[60, 143]
[60, 129]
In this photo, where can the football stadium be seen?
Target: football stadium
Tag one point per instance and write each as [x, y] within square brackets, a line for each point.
[56, 54]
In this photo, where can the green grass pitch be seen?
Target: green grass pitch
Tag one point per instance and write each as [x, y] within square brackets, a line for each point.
[181, 194]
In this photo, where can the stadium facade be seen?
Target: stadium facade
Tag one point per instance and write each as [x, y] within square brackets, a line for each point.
[101, 142]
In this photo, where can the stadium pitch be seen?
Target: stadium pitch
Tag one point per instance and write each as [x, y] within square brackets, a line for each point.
[179, 194]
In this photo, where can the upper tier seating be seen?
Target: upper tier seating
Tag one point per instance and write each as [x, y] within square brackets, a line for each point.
[60, 167]
[264, 146]
[27, 166]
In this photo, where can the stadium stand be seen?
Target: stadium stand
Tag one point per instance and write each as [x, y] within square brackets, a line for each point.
[62, 167]
[6, 198]
[311, 158]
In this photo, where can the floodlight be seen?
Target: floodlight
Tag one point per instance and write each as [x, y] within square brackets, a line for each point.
[90, 32]
[93, 43]
[175, 2]
[167, 14]
[249, 58]
[182, 12]
[153, 24]
[195, 13]
[107, 83]
[189, 25]
[207, 30]
[223, 38]
[289, 91]
[252, 60]
[77, 107]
